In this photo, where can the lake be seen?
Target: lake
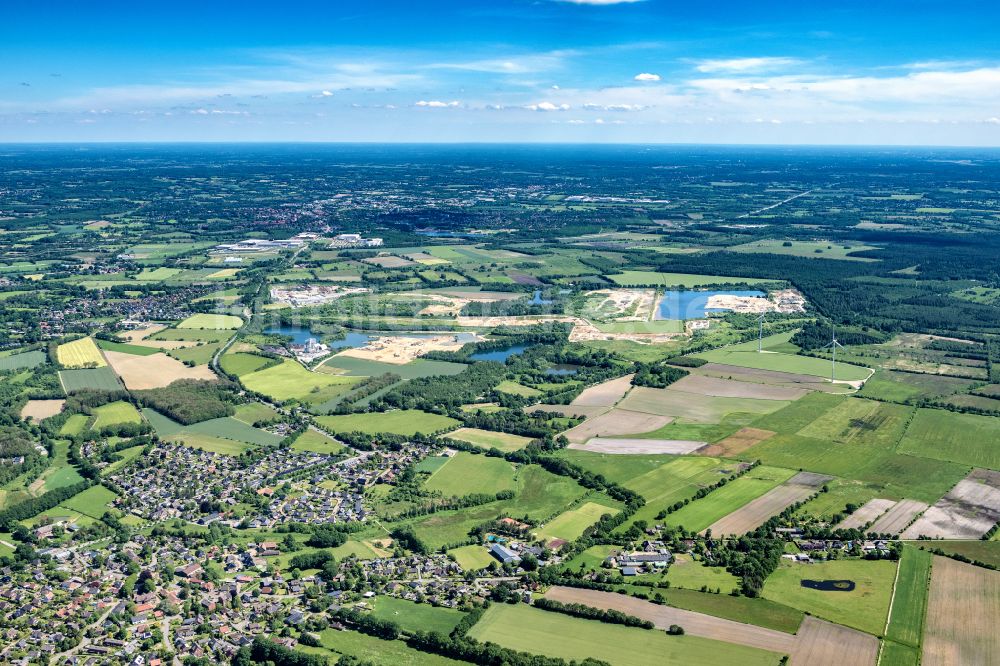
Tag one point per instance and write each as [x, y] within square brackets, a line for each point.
[300, 334]
[498, 355]
[693, 304]
[536, 298]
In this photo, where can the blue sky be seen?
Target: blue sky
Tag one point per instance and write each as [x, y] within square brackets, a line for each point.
[839, 72]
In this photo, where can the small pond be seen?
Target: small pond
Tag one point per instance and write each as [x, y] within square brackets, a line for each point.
[499, 355]
[829, 585]
[536, 298]
[693, 304]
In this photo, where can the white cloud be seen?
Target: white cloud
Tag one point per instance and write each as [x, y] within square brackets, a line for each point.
[614, 107]
[992, 121]
[547, 106]
[646, 76]
[744, 64]
[436, 104]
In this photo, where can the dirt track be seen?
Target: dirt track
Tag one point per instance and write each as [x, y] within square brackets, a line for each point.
[961, 615]
[818, 643]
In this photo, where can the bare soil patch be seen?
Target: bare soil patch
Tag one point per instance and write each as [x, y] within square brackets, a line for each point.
[153, 371]
[726, 388]
[822, 643]
[42, 409]
[898, 517]
[871, 510]
[770, 377]
[737, 443]
[402, 349]
[616, 422]
[968, 511]
[388, 261]
[606, 394]
[755, 513]
[634, 446]
[961, 615]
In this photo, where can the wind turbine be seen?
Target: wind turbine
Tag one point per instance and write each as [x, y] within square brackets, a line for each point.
[833, 359]
[760, 337]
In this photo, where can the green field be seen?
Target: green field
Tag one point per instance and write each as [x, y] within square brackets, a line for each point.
[371, 650]
[361, 367]
[903, 386]
[778, 362]
[242, 363]
[412, 616]
[290, 381]
[31, 359]
[653, 278]
[104, 379]
[229, 428]
[125, 348]
[93, 501]
[691, 575]
[193, 334]
[571, 524]
[864, 607]
[200, 354]
[228, 447]
[909, 605]
[968, 439]
[255, 412]
[761, 612]
[211, 321]
[399, 422]
[701, 513]
[467, 473]
[810, 249]
[528, 629]
[472, 558]
[984, 551]
[491, 440]
[508, 386]
[238, 434]
[317, 442]
[115, 413]
[74, 425]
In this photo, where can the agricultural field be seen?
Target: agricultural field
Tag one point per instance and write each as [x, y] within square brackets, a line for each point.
[30, 359]
[114, 413]
[400, 422]
[490, 440]
[317, 442]
[103, 379]
[241, 363]
[865, 607]
[909, 601]
[93, 502]
[966, 439]
[211, 322]
[702, 513]
[690, 574]
[82, 353]
[654, 279]
[527, 629]
[412, 616]
[154, 371]
[290, 381]
[467, 473]
[961, 614]
[810, 249]
[472, 558]
[570, 525]
[781, 362]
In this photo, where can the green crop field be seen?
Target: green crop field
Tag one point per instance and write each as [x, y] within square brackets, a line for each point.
[652, 278]
[371, 650]
[103, 379]
[290, 381]
[242, 363]
[255, 412]
[701, 513]
[93, 501]
[472, 558]
[864, 607]
[902, 386]
[74, 425]
[571, 524]
[412, 616]
[193, 334]
[31, 359]
[317, 442]
[229, 447]
[810, 249]
[528, 629]
[761, 612]
[983, 551]
[115, 413]
[361, 367]
[514, 388]
[467, 473]
[125, 348]
[211, 321]
[200, 354]
[229, 428]
[841, 492]
[399, 422]
[968, 439]
[909, 605]
[490, 440]
[779, 362]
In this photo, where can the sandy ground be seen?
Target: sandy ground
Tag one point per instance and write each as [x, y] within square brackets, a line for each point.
[154, 371]
[616, 422]
[584, 331]
[633, 446]
[968, 511]
[751, 304]
[898, 517]
[871, 510]
[962, 607]
[725, 388]
[623, 304]
[400, 350]
[490, 322]
[737, 443]
[606, 394]
[817, 643]
[755, 513]
[42, 409]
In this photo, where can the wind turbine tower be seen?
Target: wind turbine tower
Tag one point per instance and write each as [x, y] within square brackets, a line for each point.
[833, 359]
[760, 337]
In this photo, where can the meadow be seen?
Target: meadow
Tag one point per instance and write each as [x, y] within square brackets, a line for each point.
[865, 607]
[653, 278]
[412, 616]
[290, 381]
[114, 413]
[465, 473]
[472, 558]
[316, 442]
[701, 513]
[398, 422]
[692, 575]
[211, 321]
[30, 359]
[103, 378]
[371, 650]
[909, 604]
[522, 627]
[242, 363]
[93, 501]
[967, 439]
[571, 524]
[490, 440]
[781, 362]
[810, 249]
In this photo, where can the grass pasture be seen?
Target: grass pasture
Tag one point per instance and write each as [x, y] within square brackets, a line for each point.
[290, 381]
[242, 363]
[316, 442]
[967, 439]
[126, 348]
[399, 422]
[466, 473]
[864, 608]
[23, 360]
[82, 353]
[692, 575]
[74, 425]
[909, 605]
[571, 524]
[779, 362]
[528, 629]
[808, 249]
[490, 440]
[472, 558]
[115, 413]
[93, 501]
[411, 616]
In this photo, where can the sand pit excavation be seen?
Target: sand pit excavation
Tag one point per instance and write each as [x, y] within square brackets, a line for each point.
[403, 349]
